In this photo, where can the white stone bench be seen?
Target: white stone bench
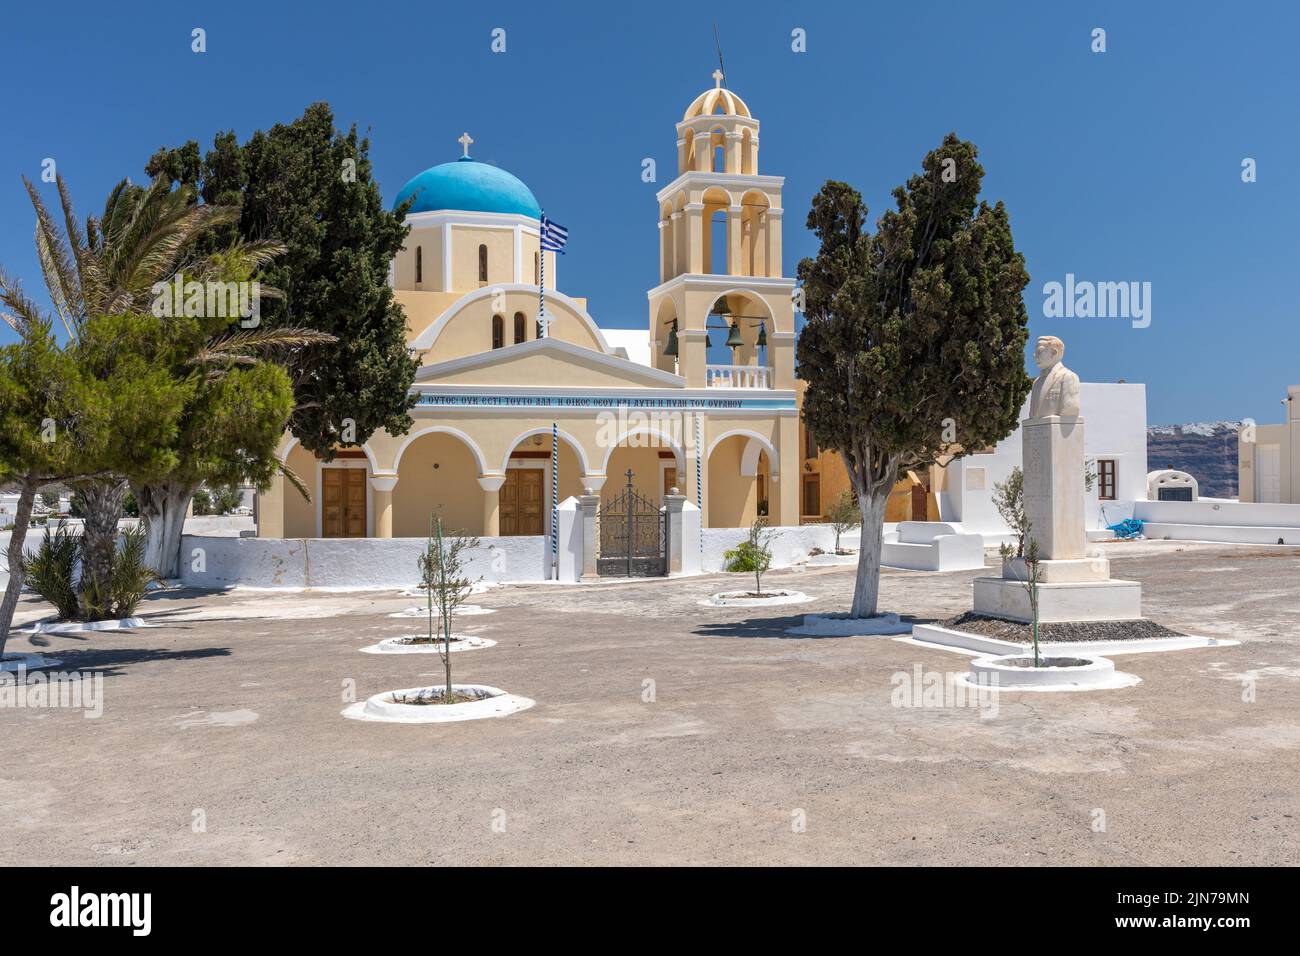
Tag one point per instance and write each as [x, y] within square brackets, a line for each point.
[931, 546]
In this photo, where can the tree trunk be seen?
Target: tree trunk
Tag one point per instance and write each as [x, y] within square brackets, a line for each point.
[17, 573]
[866, 589]
[101, 501]
[163, 507]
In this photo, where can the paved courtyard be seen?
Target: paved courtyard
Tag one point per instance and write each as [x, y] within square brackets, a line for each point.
[756, 748]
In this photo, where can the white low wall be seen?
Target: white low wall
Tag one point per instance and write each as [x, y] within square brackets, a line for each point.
[220, 562]
[1239, 522]
[29, 546]
[790, 545]
[1220, 512]
[219, 525]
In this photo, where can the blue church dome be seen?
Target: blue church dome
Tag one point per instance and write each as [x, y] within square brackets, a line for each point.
[470, 186]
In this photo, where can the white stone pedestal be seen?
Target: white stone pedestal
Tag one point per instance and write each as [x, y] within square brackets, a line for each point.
[1059, 572]
[1071, 590]
[1054, 493]
[1107, 600]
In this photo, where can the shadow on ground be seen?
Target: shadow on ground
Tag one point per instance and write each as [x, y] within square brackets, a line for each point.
[112, 662]
[777, 626]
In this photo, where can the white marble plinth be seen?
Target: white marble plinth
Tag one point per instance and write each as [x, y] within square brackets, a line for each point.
[1054, 486]
[1059, 572]
[1067, 601]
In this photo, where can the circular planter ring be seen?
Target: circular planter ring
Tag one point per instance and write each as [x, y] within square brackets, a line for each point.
[380, 708]
[13, 661]
[394, 645]
[467, 609]
[1011, 672]
[739, 599]
[76, 627]
[478, 587]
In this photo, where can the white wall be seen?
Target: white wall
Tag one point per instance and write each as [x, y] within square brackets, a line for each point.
[1222, 520]
[221, 525]
[30, 546]
[347, 562]
[790, 545]
[1115, 426]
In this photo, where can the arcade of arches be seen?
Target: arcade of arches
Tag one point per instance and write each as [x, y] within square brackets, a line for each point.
[702, 398]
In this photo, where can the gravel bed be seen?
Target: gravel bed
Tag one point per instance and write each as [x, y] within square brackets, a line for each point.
[1067, 631]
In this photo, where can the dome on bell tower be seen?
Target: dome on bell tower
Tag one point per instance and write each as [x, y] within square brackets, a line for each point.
[717, 101]
[718, 122]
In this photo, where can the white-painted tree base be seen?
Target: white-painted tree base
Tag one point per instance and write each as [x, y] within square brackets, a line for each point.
[478, 587]
[466, 609]
[738, 599]
[946, 638]
[75, 627]
[380, 708]
[14, 661]
[841, 625]
[394, 645]
[997, 673]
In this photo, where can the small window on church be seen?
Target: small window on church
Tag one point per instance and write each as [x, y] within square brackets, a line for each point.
[419, 264]
[482, 264]
[537, 268]
[498, 331]
[521, 328]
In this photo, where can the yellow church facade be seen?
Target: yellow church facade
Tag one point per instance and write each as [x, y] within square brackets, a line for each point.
[517, 410]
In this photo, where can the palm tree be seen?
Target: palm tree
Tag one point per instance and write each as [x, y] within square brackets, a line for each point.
[146, 236]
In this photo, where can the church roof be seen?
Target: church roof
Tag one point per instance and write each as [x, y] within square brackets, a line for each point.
[469, 186]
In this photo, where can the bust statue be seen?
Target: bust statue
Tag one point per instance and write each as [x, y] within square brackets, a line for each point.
[1056, 390]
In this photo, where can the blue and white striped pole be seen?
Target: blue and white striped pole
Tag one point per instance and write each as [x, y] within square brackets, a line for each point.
[551, 237]
[555, 497]
[541, 277]
[699, 482]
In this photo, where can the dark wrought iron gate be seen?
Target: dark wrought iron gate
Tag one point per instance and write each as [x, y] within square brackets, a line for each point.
[633, 536]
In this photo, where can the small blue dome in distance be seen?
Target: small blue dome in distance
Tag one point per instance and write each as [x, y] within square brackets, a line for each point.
[469, 186]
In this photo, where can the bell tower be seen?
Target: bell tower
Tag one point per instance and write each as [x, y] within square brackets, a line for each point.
[720, 268]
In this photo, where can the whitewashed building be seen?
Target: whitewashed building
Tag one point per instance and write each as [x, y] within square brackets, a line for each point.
[1115, 450]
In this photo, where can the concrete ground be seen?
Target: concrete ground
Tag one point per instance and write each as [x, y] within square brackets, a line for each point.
[221, 740]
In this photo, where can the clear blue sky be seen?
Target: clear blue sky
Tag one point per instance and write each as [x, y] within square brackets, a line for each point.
[1117, 166]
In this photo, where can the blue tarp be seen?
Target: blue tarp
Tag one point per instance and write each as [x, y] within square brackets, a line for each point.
[1128, 528]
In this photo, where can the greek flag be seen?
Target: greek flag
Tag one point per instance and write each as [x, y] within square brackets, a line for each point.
[554, 236]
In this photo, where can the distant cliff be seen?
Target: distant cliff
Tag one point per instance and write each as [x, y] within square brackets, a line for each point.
[1205, 450]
